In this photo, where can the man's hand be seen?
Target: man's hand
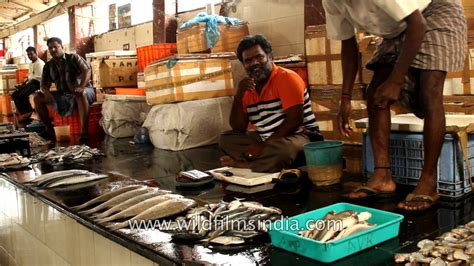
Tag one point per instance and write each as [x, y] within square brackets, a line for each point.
[254, 150]
[79, 89]
[344, 116]
[387, 93]
[244, 85]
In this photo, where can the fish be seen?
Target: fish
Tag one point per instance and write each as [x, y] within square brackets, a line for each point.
[57, 174]
[161, 210]
[259, 207]
[356, 228]
[126, 204]
[438, 262]
[117, 199]
[75, 180]
[227, 240]
[460, 255]
[242, 234]
[106, 196]
[139, 207]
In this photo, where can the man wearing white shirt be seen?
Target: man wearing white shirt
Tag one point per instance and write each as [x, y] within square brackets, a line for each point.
[29, 86]
[422, 41]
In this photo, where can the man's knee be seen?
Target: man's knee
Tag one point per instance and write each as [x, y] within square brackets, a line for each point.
[226, 138]
[38, 98]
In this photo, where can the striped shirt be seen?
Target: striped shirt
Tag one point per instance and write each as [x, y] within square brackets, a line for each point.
[66, 74]
[284, 89]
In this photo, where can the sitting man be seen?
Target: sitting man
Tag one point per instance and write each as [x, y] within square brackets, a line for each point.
[274, 100]
[71, 73]
[23, 91]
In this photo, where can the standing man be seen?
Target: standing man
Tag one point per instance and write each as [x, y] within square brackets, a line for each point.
[71, 75]
[423, 40]
[23, 91]
[275, 101]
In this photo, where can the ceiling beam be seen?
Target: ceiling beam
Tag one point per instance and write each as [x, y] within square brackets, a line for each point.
[41, 17]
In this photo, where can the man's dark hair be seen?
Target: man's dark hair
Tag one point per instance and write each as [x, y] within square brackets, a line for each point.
[250, 41]
[31, 48]
[54, 39]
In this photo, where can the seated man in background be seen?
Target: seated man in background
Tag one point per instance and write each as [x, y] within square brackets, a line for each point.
[275, 101]
[23, 91]
[71, 74]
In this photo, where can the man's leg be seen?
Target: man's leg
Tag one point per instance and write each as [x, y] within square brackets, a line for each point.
[235, 144]
[41, 108]
[83, 108]
[431, 97]
[21, 97]
[379, 132]
[279, 154]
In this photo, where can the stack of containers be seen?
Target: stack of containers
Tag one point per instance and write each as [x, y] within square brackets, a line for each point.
[187, 89]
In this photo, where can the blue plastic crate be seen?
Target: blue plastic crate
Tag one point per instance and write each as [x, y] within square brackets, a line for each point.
[406, 159]
[284, 234]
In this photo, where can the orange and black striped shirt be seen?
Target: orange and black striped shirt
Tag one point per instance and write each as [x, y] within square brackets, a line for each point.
[283, 90]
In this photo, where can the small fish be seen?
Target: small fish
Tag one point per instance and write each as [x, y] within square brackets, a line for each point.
[460, 255]
[356, 228]
[161, 210]
[438, 262]
[259, 207]
[106, 196]
[402, 257]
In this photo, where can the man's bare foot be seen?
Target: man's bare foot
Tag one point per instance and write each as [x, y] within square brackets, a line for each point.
[381, 181]
[231, 162]
[423, 196]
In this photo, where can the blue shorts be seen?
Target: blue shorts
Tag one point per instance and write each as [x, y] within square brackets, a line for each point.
[64, 102]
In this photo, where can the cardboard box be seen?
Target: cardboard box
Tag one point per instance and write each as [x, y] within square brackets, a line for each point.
[193, 39]
[115, 72]
[189, 77]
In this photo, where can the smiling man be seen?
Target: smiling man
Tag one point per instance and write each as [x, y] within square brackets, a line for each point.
[275, 102]
[71, 74]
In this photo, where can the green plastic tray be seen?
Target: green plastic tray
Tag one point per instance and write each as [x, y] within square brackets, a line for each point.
[284, 233]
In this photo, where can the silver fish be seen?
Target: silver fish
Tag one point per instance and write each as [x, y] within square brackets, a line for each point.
[117, 199]
[161, 210]
[75, 180]
[227, 240]
[354, 229]
[58, 174]
[106, 196]
[139, 207]
[128, 203]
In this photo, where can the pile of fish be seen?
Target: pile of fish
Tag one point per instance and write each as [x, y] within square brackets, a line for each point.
[134, 203]
[13, 161]
[70, 154]
[451, 248]
[337, 225]
[36, 140]
[65, 178]
[225, 223]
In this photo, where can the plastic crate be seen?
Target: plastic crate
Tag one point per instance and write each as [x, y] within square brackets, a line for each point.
[150, 53]
[284, 233]
[95, 113]
[406, 160]
[21, 74]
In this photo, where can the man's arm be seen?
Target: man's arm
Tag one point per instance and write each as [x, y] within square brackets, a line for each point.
[415, 32]
[293, 120]
[238, 118]
[82, 64]
[350, 65]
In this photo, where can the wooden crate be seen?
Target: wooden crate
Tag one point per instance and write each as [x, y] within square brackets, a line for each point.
[7, 83]
[193, 38]
[193, 77]
[462, 82]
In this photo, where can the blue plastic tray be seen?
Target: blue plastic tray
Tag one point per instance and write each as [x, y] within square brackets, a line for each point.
[284, 234]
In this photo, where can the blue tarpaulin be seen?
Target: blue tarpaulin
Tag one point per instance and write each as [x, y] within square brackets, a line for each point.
[212, 32]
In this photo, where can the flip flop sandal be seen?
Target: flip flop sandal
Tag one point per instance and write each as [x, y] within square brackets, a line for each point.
[371, 194]
[432, 201]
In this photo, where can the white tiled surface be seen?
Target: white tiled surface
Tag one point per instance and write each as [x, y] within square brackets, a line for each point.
[32, 233]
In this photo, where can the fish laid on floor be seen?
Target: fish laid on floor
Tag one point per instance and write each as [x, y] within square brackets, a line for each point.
[76, 180]
[139, 207]
[129, 203]
[451, 248]
[106, 196]
[70, 154]
[117, 199]
[13, 161]
[40, 180]
[162, 210]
